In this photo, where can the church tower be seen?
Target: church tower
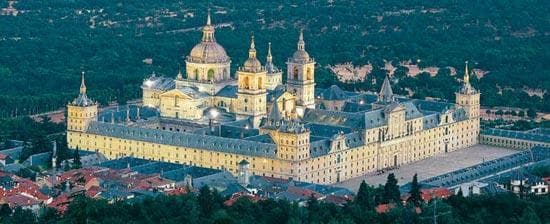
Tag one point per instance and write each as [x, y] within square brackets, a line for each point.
[468, 97]
[301, 76]
[274, 74]
[251, 92]
[81, 111]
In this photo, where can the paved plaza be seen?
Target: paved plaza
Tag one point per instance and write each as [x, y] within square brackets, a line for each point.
[433, 166]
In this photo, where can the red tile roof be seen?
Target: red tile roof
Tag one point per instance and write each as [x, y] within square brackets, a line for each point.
[236, 196]
[383, 208]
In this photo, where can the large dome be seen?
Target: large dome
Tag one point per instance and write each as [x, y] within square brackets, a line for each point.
[208, 52]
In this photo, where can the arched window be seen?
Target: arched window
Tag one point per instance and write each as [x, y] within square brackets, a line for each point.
[309, 74]
[246, 83]
[210, 74]
[260, 83]
[196, 72]
[295, 72]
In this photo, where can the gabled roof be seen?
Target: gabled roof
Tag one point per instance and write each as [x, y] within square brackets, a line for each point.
[229, 91]
[333, 93]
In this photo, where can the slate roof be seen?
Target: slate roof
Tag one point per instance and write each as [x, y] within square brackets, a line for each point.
[337, 118]
[332, 93]
[229, 91]
[356, 107]
[195, 172]
[428, 105]
[516, 135]
[275, 93]
[159, 83]
[326, 130]
[119, 114]
[82, 100]
[261, 138]
[207, 142]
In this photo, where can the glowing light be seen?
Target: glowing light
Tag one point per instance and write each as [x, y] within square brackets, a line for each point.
[214, 113]
[149, 83]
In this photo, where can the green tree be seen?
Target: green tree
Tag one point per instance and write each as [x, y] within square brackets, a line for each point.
[5, 211]
[21, 216]
[415, 194]
[77, 164]
[529, 216]
[365, 196]
[391, 190]
[206, 200]
[531, 113]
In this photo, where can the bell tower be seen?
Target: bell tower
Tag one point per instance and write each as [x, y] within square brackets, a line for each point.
[468, 97]
[251, 91]
[301, 76]
[81, 111]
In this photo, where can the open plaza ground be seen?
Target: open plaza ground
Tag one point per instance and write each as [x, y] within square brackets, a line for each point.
[434, 166]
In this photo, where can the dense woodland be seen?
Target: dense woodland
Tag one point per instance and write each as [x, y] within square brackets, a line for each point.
[207, 207]
[46, 46]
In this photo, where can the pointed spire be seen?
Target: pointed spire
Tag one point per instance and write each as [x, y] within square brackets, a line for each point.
[466, 74]
[208, 30]
[252, 50]
[269, 56]
[274, 114]
[301, 43]
[208, 20]
[82, 85]
[386, 93]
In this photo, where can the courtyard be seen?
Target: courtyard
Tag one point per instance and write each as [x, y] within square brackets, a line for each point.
[437, 165]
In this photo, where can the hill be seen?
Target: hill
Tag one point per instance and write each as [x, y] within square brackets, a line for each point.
[46, 45]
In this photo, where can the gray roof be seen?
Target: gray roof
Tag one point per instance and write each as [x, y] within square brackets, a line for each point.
[386, 93]
[332, 93]
[82, 100]
[336, 118]
[229, 91]
[275, 93]
[193, 171]
[516, 135]
[181, 139]
[119, 114]
[159, 83]
[326, 130]
[14, 153]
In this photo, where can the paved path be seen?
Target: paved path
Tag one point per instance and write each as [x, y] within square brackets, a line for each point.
[434, 166]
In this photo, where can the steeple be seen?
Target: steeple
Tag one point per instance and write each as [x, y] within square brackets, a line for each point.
[466, 74]
[301, 43]
[269, 56]
[386, 93]
[252, 50]
[252, 64]
[208, 30]
[82, 85]
[300, 55]
[82, 99]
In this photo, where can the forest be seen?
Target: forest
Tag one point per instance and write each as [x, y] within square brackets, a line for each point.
[206, 206]
[46, 46]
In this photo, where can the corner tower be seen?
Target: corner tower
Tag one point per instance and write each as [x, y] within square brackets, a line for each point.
[81, 111]
[468, 97]
[301, 76]
[251, 90]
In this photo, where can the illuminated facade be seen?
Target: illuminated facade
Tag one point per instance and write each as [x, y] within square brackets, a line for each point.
[290, 130]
